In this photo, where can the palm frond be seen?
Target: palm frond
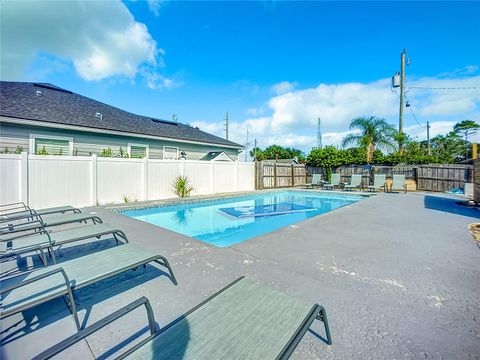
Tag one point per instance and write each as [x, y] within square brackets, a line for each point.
[351, 139]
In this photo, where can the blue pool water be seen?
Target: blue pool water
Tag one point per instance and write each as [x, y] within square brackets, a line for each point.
[218, 222]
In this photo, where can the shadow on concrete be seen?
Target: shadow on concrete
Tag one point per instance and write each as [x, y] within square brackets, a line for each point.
[170, 345]
[449, 205]
[31, 261]
[85, 298]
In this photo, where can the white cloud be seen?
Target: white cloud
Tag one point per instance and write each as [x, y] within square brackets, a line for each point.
[293, 115]
[444, 96]
[100, 38]
[283, 87]
[155, 5]
[158, 81]
[436, 128]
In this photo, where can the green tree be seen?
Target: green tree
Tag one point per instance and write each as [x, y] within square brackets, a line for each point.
[466, 128]
[328, 158]
[449, 148]
[373, 133]
[258, 154]
[274, 152]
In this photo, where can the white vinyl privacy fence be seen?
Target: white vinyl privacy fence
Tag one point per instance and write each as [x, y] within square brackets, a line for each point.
[46, 181]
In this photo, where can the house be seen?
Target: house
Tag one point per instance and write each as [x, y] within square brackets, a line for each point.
[217, 156]
[45, 119]
[293, 161]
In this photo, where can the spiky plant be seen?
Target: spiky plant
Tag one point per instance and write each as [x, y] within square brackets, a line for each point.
[182, 187]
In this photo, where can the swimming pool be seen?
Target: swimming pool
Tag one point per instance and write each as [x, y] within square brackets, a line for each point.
[227, 221]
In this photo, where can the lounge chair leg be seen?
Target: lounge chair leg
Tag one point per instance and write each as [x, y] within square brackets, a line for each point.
[115, 237]
[322, 316]
[52, 252]
[73, 309]
[164, 262]
[42, 257]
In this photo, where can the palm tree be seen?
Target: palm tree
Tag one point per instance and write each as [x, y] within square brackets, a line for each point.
[373, 134]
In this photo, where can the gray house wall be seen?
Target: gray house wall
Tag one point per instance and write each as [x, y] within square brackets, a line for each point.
[86, 143]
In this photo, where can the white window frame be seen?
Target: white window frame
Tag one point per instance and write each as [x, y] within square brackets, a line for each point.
[170, 147]
[129, 149]
[52, 137]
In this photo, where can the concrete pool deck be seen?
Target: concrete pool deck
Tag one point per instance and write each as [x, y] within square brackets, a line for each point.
[398, 274]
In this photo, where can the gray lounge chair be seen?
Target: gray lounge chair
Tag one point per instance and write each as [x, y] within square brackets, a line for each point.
[47, 222]
[398, 183]
[60, 280]
[355, 182]
[379, 182]
[316, 181]
[334, 182]
[244, 320]
[48, 240]
[12, 207]
[30, 213]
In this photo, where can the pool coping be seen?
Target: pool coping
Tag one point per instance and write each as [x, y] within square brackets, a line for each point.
[142, 205]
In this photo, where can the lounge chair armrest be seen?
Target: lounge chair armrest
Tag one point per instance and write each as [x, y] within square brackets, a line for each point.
[27, 232]
[17, 205]
[56, 349]
[30, 232]
[36, 278]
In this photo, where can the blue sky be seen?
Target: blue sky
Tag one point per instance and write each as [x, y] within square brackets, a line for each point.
[275, 66]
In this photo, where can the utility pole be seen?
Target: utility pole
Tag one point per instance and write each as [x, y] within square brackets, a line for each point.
[255, 150]
[402, 96]
[246, 148]
[428, 137]
[226, 126]
[319, 133]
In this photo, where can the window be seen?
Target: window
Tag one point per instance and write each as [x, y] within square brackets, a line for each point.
[50, 145]
[170, 152]
[138, 151]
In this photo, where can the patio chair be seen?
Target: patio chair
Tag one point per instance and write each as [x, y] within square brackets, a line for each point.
[38, 221]
[45, 240]
[244, 320]
[334, 182]
[379, 182]
[27, 212]
[355, 182]
[316, 181]
[60, 280]
[399, 184]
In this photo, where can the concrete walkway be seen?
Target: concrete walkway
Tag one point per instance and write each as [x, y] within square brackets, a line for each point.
[398, 274]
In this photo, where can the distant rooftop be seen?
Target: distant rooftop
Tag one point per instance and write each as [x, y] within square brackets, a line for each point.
[48, 103]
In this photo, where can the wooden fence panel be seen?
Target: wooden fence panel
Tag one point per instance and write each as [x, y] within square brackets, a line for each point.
[428, 177]
[274, 175]
[443, 177]
[476, 181]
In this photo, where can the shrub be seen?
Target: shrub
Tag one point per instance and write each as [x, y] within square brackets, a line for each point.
[42, 151]
[182, 187]
[106, 152]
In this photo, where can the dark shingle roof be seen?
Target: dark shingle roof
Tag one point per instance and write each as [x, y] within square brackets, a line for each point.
[57, 105]
[213, 154]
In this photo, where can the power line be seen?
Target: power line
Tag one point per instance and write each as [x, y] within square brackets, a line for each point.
[418, 122]
[414, 116]
[445, 88]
